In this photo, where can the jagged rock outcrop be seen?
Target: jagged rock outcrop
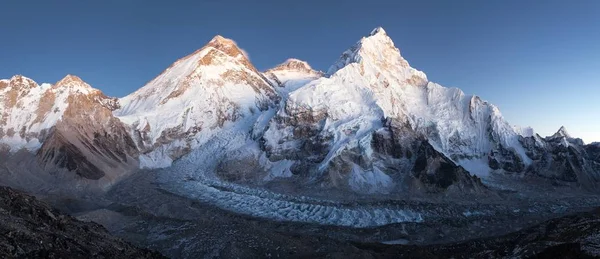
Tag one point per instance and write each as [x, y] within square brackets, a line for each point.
[419, 160]
[563, 158]
[32, 229]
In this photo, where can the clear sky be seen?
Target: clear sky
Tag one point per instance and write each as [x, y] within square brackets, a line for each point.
[539, 61]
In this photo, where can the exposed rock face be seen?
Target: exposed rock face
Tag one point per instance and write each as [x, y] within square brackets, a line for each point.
[434, 170]
[593, 151]
[506, 159]
[70, 126]
[31, 229]
[89, 140]
[302, 139]
[392, 158]
[564, 158]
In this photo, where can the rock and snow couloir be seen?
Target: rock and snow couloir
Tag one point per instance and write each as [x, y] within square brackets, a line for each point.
[371, 124]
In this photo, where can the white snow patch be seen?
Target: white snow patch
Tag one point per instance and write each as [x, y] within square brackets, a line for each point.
[372, 181]
[396, 242]
[478, 167]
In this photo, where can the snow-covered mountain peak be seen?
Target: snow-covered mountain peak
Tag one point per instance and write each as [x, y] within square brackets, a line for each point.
[70, 80]
[228, 47]
[561, 133]
[74, 84]
[196, 97]
[19, 81]
[291, 75]
[293, 64]
[221, 41]
[376, 55]
[563, 137]
[220, 62]
[378, 31]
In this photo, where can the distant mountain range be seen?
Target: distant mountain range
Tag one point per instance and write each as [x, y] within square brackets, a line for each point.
[370, 124]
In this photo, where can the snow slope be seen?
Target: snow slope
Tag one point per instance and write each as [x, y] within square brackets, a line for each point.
[194, 98]
[28, 110]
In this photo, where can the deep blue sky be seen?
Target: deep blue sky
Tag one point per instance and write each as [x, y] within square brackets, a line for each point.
[539, 61]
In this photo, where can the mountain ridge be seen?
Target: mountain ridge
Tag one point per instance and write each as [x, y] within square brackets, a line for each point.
[372, 123]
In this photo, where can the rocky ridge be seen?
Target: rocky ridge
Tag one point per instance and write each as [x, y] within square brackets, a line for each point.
[32, 229]
[371, 124]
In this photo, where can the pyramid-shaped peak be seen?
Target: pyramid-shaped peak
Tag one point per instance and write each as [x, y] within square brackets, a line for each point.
[225, 45]
[69, 79]
[377, 49]
[72, 81]
[294, 65]
[378, 35]
[220, 45]
[378, 31]
[220, 40]
[562, 133]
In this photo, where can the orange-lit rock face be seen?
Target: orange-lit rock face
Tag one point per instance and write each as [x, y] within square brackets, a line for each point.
[3, 84]
[89, 140]
[73, 121]
[45, 106]
[18, 87]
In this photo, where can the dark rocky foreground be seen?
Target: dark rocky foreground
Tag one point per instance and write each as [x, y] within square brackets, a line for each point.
[574, 236]
[31, 229]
